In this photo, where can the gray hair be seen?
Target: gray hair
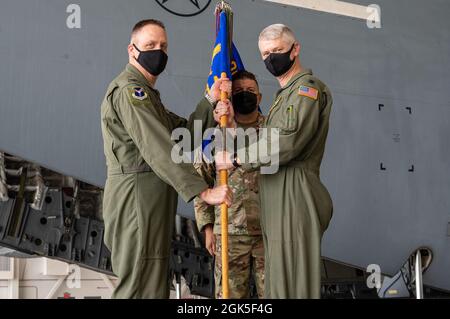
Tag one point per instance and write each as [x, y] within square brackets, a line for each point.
[276, 31]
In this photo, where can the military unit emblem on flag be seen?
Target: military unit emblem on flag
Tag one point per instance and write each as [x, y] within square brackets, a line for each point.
[307, 91]
[224, 60]
[139, 94]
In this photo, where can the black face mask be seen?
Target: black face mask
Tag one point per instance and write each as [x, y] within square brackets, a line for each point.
[279, 63]
[245, 102]
[154, 61]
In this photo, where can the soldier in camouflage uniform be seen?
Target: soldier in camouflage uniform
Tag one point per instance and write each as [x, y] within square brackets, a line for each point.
[246, 251]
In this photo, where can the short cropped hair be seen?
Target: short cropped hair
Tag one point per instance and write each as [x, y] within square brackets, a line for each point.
[242, 75]
[138, 26]
[276, 31]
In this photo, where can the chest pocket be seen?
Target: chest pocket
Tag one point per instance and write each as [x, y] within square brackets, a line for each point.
[289, 118]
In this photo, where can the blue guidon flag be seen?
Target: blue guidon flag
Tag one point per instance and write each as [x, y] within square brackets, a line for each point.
[221, 61]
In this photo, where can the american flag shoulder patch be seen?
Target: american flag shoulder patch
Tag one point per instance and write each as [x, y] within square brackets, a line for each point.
[308, 91]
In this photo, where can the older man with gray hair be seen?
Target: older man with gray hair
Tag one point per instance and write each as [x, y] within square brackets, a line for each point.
[296, 208]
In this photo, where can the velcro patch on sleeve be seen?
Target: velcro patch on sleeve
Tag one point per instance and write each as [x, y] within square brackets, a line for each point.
[308, 92]
[138, 93]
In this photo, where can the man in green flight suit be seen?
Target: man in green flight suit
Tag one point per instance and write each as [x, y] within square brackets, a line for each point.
[245, 243]
[296, 208]
[140, 195]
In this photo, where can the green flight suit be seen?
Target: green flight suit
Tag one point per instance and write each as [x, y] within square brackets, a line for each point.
[140, 195]
[296, 208]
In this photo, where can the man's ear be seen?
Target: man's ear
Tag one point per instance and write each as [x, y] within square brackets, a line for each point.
[297, 49]
[132, 51]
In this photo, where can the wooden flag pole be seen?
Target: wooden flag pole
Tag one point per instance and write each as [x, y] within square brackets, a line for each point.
[224, 208]
[222, 6]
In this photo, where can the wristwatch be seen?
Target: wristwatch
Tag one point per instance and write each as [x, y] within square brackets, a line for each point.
[210, 100]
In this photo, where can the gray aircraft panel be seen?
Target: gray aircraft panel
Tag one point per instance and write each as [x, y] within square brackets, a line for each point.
[53, 80]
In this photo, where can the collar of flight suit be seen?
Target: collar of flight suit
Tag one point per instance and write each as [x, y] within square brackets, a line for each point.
[295, 79]
[140, 77]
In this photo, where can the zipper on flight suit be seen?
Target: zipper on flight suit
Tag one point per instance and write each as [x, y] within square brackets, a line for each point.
[277, 101]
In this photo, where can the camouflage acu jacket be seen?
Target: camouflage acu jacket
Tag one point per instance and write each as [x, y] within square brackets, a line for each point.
[244, 213]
